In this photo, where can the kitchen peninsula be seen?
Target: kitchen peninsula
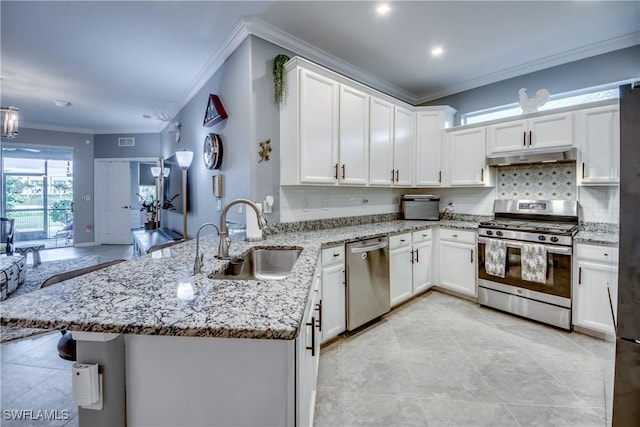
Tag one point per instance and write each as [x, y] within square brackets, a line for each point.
[161, 320]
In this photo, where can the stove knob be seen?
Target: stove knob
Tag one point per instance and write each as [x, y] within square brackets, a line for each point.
[541, 237]
[489, 233]
[498, 233]
[554, 239]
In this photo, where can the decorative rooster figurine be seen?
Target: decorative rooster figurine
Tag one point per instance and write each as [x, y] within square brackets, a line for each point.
[531, 105]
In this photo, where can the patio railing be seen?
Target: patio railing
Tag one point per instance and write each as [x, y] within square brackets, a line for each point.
[35, 224]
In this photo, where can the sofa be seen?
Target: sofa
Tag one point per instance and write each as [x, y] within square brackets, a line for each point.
[12, 274]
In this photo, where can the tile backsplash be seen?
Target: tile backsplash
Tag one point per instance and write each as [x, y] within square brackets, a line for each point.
[555, 181]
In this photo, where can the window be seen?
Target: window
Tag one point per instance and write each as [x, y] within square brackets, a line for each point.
[566, 99]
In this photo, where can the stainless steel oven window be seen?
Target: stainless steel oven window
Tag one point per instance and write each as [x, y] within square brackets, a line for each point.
[558, 272]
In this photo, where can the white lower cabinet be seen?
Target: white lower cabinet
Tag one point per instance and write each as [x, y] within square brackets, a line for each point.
[400, 271]
[458, 271]
[595, 288]
[307, 357]
[410, 265]
[422, 261]
[333, 293]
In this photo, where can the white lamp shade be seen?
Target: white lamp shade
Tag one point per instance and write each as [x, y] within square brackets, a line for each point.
[184, 158]
[155, 171]
[166, 172]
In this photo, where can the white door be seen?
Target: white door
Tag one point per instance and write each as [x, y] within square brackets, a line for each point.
[403, 147]
[467, 156]
[334, 321]
[507, 137]
[429, 148]
[555, 130]
[597, 283]
[458, 267]
[112, 202]
[318, 129]
[400, 274]
[380, 143]
[354, 136]
[599, 141]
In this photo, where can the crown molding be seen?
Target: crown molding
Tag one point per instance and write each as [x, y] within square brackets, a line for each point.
[606, 46]
[272, 34]
[253, 26]
[230, 44]
[45, 126]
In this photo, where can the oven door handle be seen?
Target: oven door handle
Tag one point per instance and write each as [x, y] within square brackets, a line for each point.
[560, 250]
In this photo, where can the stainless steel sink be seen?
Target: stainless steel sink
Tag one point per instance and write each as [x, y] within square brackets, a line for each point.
[261, 264]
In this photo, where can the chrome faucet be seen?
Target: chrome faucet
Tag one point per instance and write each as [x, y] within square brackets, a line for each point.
[197, 266]
[223, 247]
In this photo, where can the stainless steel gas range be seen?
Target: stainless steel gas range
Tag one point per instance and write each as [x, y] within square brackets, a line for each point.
[525, 259]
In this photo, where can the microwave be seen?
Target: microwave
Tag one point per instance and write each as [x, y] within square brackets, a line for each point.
[420, 206]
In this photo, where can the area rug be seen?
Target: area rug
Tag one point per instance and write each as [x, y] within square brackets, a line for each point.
[34, 278]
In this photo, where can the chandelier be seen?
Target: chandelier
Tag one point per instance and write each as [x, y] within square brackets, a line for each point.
[9, 122]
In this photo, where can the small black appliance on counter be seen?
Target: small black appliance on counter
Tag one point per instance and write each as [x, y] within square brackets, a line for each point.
[420, 206]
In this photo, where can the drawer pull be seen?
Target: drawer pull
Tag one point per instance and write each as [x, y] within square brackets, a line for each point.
[425, 235]
[412, 256]
[440, 176]
[606, 254]
[524, 138]
[417, 255]
[579, 275]
[471, 256]
[402, 240]
[335, 175]
[343, 171]
[335, 255]
[530, 137]
[393, 171]
[454, 235]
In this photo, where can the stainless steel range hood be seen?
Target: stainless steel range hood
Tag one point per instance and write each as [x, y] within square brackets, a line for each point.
[551, 155]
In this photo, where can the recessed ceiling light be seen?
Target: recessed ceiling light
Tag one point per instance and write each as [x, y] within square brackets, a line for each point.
[63, 103]
[383, 9]
[437, 51]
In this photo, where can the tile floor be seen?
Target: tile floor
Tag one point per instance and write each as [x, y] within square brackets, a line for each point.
[445, 361]
[435, 361]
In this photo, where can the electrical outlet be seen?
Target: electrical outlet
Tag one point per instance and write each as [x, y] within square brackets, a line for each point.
[365, 202]
[324, 204]
[240, 208]
[219, 205]
[305, 205]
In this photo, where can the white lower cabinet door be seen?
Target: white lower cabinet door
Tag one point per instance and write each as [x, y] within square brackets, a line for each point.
[458, 267]
[333, 302]
[400, 274]
[422, 277]
[596, 293]
[307, 353]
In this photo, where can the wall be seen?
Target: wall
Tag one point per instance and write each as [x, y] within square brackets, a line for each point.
[83, 151]
[146, 145]
[232, 85]
[245, 88]
[611, 67]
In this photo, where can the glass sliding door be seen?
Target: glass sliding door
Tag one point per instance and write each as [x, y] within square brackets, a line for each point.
[37, 186]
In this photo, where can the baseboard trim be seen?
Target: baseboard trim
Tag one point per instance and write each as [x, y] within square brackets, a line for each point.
[81, 245]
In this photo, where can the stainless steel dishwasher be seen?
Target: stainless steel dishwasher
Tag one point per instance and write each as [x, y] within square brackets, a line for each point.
[368, 286]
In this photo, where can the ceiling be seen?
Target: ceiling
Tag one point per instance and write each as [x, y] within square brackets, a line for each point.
[116, 61]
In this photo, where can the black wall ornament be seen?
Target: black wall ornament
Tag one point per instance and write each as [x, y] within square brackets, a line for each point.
[212, 151]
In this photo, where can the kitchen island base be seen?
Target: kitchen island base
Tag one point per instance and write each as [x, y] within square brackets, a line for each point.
[202, 381]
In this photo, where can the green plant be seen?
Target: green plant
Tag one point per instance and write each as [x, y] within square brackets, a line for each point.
[60, 211]
[279, 77]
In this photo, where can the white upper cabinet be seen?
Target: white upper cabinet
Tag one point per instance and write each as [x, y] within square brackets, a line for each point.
[354, 136]
[545, 131]
[402, 147]
[467, 158]
[429, 127]
[309, 129]
[381, 131]
[598, 140]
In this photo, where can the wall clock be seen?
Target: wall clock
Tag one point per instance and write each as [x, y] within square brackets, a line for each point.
[212, 151]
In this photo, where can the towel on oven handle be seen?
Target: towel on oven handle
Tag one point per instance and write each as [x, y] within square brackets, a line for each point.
[533, 259]
[495, 257]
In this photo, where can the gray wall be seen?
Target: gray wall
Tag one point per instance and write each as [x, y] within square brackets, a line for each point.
[83, 151]
[244, 85]
[602, 69]
[146, 145]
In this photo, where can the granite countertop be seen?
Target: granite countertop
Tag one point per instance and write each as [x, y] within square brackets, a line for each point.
[597, 238]
[143, 296]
